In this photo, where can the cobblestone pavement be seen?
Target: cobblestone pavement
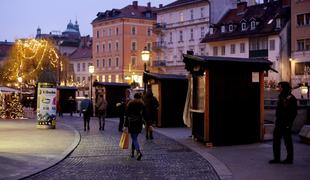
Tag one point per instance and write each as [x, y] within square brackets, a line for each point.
[99, 157]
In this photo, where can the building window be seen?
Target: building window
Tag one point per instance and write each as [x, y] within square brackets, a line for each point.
[181, 36]
[133, 30]
[103, 47]
[110, 32]
[110, 78]
[202, 32]
[223, 50]
[278, 23]
[202, 51]
[231, 28]
[170, 37]
[243, 26]
[223, 28]
[110, 63]
[272, 45]
[83, 79]
[83, 67]
[211, 30]
[103, 78]
[192, 34]
[253, 25]
[78, 67]
[260, 43]
[242, 48]
[303, 44]
[97, 34]
[149, 31]
[308, 19]
[215, 51]
[202, 12]
[300, 20]
[181, 16]
[116, 62]
[133, 46]
[103, 63]
[116, 78]
[116, 46]
[232, 49]
[192, 14]
[117, 31]
[97, 48]
[149, 46]
[78, 79]
[133, 61]
[98, 63]
[110, 46]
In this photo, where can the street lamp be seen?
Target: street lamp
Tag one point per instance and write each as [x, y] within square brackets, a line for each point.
[91, 70]
[145, 55]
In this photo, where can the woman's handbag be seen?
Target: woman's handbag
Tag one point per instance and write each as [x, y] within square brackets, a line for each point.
[123, 143]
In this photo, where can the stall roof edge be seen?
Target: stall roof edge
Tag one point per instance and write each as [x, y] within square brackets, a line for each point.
[165, 76]
[111, 84]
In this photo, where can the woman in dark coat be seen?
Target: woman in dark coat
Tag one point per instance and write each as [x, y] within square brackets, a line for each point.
[151, 106]
[134, 120]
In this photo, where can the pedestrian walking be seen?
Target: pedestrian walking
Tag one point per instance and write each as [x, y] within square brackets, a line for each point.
[122, 109]
[87, 110]
[101, 107]
[285, 114]
[133, 123]
[151, 113]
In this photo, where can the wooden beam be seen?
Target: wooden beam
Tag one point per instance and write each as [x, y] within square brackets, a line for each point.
[206, 108]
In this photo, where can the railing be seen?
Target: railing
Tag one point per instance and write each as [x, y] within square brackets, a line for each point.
[159, 27]
[159, 63]
[158, 45]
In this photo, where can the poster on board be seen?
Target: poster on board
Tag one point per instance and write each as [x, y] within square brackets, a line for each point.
[46, 106]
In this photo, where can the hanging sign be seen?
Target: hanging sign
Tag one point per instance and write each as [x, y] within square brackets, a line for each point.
[46, 106]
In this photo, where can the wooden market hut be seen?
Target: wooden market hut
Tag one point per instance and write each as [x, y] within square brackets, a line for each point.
[114, 93]
[170, 90]
[227, 103]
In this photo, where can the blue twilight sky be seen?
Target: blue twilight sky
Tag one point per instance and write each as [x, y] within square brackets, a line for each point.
[20, 18]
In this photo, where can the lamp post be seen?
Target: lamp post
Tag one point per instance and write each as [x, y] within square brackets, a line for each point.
[145, 55]
[91, 70]
[59, 60]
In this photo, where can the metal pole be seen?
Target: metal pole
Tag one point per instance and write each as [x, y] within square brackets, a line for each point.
[144, 80]
[91, 87]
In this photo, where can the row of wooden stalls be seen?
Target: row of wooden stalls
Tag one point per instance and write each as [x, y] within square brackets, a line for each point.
[222, 99]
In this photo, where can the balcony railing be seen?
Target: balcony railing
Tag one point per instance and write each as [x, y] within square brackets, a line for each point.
[159, 27]
[258, 53]
[158, 45]
[159, 63]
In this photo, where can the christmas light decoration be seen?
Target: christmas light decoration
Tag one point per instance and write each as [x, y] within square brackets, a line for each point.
[28, 58]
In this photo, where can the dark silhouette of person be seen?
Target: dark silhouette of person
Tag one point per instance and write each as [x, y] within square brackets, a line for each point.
[87, 110]
[122, 109]
[72, 105]
[285, 114]
[134, 121]
[101, 106]
[151, 107]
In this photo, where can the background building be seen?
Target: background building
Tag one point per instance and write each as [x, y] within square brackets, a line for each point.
[300, 18]
[180, 27]
[5, 48]
[119, 36]
[259, 31]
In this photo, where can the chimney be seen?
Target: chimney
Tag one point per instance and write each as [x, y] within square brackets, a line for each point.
[135, 3]
[241, 6]
[160, 5]
[286, 3]
[149, 4]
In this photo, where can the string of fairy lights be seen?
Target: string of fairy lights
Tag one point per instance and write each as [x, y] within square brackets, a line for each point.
[39, 53]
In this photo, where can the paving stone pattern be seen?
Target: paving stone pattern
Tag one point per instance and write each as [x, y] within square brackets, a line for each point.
[99, 157]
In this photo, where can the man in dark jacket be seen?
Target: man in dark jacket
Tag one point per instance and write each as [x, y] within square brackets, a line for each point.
[285, 114]
[87, 110]
[134, 120]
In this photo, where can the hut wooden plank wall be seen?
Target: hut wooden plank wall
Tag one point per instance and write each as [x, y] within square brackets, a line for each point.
[170, 90]
[227, 104]
[114, 93]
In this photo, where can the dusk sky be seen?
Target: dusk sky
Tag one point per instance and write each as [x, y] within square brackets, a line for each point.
[21, 18]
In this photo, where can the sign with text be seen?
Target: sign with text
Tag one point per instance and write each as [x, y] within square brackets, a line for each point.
[46, 105]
